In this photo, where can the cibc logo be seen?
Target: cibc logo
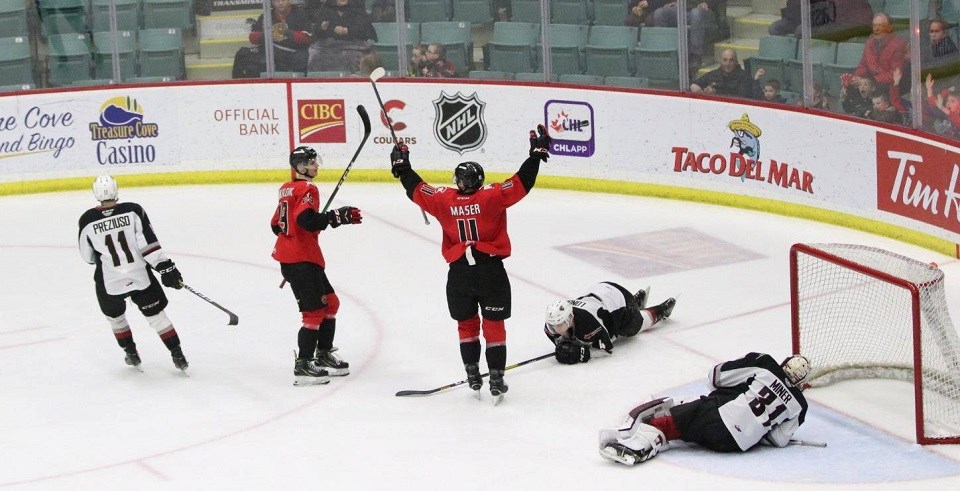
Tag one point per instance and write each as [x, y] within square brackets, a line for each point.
[392, 110]
[322, 121]
[919, 181]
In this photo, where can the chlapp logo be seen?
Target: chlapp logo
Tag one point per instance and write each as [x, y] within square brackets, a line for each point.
[918, 181]
[571, 125]
[322, 121]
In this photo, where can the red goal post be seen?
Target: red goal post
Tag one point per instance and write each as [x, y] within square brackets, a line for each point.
[863, 312]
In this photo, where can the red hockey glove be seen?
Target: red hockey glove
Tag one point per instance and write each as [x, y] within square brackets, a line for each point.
[344, 215]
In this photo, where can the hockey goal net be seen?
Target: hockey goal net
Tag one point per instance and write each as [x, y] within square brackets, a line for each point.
[862, 312]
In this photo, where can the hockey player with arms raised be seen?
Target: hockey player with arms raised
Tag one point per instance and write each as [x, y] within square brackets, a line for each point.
[475, 242]
[119, 240]
[605, 313]
[755, 400]
[297, 223]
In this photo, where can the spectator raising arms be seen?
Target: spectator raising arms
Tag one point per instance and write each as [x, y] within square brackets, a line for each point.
[883, 53]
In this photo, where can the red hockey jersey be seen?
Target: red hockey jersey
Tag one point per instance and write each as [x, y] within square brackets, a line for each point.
[294, 244]
[478, 219]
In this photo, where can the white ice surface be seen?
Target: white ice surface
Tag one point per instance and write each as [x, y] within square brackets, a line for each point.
[73, 416]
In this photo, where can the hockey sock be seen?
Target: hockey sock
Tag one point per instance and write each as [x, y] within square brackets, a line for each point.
[307, 342]
[496, 356]
[470, 351]
[649, 317]
[667, 426]
[328, 329]
[170, 338]
[126, 342]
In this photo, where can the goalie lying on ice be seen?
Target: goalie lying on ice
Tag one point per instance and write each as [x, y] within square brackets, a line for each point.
[755, 400]
[606, 312]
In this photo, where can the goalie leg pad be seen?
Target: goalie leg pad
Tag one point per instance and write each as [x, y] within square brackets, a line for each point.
[645, 440]
[649, 410]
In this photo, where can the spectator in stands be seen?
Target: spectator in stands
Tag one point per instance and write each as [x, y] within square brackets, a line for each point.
[383, 11]
[883, 53]
[417, 60]
[789, 22]
[859, 101]
[436, 64]
[290, 34]
[771, 92]
[343, 33]
[941, 49]
[944, 109]
[369, 62]
[640, 12]
[700, 18]
[729, 80]
[504, 10]
[884, 111]
[819, 98]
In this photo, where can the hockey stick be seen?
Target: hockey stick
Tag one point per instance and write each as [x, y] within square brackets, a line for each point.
[375, 75]
[808, 443]
[233, 317]
[404, 393]
[366, 134]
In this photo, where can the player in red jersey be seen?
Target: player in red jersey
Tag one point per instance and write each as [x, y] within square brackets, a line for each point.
[475, 242]
[297, 224]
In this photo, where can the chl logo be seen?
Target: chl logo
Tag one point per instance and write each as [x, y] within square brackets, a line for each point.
[322, 121]
[459, 123]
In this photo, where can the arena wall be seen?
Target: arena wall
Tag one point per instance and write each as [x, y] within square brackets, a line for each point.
[889, 181]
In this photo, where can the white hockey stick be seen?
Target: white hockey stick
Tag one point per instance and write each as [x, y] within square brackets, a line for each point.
[375, 75]
[808, 443]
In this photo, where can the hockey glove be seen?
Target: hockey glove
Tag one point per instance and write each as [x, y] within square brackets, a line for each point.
[540, 143]
[570, 353]
[343, 215]
[399, 160]
[169, 274]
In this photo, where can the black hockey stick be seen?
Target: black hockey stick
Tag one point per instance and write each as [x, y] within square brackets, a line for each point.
[365, 119]
[233, 317]
[375, 75]
[404, 393]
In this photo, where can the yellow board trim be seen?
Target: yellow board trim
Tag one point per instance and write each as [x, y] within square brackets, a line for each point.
[876, 227]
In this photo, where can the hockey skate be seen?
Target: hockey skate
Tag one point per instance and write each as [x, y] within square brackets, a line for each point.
[306, 371]
[664, 309]
[474, 380]
[179, 360]
[332, 363]
[497, 386]
[641, 297]
[132, 358]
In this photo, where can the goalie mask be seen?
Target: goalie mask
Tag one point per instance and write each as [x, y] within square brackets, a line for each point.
[559, 318]
[797, 368]
[468, 176]
[105, 188]
[302, 155]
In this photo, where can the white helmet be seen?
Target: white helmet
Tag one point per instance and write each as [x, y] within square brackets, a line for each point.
[797, 367]
[105, 188]
[559, 318]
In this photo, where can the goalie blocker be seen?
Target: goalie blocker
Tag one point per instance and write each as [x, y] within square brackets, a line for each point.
[755, 400]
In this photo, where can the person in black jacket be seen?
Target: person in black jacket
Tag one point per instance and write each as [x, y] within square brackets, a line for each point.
[729, 80]
[343, 34]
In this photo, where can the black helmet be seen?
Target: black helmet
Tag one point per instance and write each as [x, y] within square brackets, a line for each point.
[468, 176]
[301, 155]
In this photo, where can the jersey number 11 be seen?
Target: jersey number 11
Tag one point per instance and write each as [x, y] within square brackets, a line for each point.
[122, 239]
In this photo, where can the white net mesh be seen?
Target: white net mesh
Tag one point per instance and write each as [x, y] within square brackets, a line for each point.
[853, 324]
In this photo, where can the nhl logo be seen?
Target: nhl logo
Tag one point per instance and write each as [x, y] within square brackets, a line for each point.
[459, 123]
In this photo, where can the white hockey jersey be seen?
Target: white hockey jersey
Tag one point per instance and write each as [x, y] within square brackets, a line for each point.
[598, 316]
[121, 242]
[756, 402]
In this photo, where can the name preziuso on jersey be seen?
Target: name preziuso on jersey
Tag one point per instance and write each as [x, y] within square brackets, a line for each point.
[109, 224]
[118, 131]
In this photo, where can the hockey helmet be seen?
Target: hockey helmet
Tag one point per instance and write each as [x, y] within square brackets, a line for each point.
[105, 188]
[302, 155]
[797, 368]
[468, 176]
[559, 317]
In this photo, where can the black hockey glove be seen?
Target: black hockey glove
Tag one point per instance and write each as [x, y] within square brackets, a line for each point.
[343, 215]
[169, 274]
[399, 160]
[540, 143]
[569, 353]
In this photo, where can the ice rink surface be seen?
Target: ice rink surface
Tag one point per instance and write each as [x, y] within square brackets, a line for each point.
[73, 416]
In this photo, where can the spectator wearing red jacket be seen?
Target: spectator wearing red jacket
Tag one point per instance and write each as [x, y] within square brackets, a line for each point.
[884, 52]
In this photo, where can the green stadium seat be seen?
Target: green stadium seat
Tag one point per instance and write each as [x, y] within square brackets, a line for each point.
[16, 87]
[657, 58]
[773, 56]
[609, 12]
[533, 77]
[386, 45]
[580, 79]
[13, 18]
[159, 14]
[950, 11]
[821, 52]
[476, 12]
[567, 44]
[637, 82]
[328, 74]
[148, 80]
[16, 64]
[456, 40]
[161, 53]
[848, 57]
[512, 47]
[428, 10]
[610, 50]
[63, 16]
[490, 75]
[93, 82]
[128, 15]
[525, 11]
[69, 58]
[282, 75]
[899, 10]
[570, 12]
[103, 54]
